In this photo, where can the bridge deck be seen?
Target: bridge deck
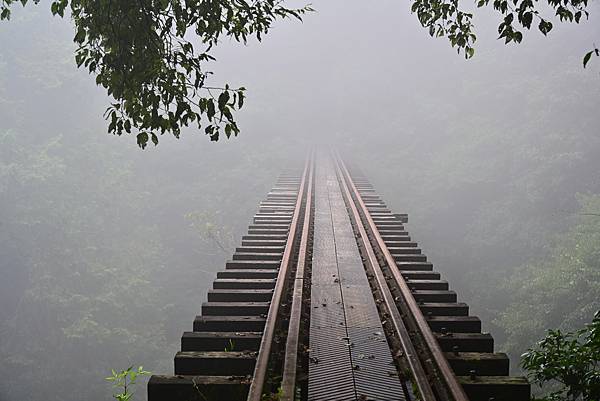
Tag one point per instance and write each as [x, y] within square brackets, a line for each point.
[349, 355]
[329, 298]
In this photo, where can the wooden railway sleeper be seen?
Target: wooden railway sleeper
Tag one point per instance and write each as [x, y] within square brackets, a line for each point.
[217, 359]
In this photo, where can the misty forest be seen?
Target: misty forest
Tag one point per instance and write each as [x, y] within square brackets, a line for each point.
[137, 140]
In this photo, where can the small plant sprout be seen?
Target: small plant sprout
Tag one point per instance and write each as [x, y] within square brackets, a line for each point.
[124, 381]
[230, 346]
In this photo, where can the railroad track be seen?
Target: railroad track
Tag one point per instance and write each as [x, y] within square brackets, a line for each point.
[329, 298]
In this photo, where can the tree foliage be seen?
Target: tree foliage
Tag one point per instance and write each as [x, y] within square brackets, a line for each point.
[570, 361]
[95, 254]
[560, 290]
[143, 54]
[446, 18]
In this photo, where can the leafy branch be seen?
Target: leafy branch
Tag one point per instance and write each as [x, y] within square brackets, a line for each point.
[210, 231]
[124, 380]
[589, 54]
[445, 18]
[570, 361]
[140, 52]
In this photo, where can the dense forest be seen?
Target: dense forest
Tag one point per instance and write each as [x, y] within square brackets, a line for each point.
[106, 251]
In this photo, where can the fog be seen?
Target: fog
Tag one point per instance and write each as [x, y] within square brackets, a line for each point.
[105, 254]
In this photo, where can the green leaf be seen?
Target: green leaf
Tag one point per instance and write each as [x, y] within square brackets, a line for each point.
[518, 36]
[223, 99]
[240, 99]
[545, 26]
[142, 140]
[210, 109]
[527, 19]
[227, 113]
[586, 58]
[80, 36]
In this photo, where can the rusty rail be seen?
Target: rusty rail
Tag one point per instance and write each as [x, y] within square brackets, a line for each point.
[447, 375]
[288, 383]
[264, 353]
[420, 377]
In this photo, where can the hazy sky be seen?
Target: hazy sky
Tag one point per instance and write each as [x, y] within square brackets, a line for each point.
[355, 69]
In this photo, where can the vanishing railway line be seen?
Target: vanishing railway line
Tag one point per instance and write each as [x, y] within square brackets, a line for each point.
[329, 298]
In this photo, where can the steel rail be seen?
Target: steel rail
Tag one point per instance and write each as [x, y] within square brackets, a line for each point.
[425, 391]
[266, 342]
[288, 383]
[455, 389]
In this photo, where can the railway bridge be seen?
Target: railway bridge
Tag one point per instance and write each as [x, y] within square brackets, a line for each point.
[329, 298]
